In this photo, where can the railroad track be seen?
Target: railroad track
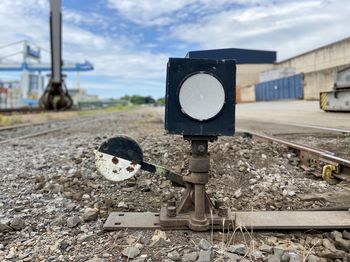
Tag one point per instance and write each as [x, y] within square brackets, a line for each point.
[26, 110]
[321, 163]
[323, 128]
[24, 131]
[17, 132]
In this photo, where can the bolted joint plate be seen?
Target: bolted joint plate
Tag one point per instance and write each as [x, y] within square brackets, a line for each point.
[185, 221]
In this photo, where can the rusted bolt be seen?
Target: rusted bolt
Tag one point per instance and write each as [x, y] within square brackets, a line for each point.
[201, 148]
[223, 211]
[171, 211]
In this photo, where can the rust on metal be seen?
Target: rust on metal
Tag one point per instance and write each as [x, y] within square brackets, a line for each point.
[115, 160]
[115, 168]
[130, 168]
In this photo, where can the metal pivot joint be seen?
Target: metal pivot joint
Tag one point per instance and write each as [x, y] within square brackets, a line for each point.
[195, 210]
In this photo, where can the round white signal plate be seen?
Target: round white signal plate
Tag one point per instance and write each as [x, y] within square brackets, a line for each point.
[202, 96]
[115, 168]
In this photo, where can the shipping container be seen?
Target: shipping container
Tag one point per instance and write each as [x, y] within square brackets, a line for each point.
[290, 87]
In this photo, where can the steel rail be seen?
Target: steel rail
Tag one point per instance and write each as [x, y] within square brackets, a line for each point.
[5, 128]
[324, 128]
[7, 111]
[65, 126]
[25, 110]
[312, 158]
[33, 135]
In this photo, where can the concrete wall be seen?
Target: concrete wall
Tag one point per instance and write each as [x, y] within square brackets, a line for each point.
[320, 81]
[248, 74]
[248, 94]
[315, 82]
[326, 57]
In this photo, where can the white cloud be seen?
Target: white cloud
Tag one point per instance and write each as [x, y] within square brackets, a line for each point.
[288, 27]
[148, 12]
[167, 12]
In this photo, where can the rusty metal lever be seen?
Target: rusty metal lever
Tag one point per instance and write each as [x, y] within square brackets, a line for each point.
[159, 170]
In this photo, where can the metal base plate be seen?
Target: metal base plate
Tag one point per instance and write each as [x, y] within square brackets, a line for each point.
[293, 219]
[132, 220]
[251, 220]
[183, 221]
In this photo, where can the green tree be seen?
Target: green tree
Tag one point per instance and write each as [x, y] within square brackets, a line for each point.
[160, 101]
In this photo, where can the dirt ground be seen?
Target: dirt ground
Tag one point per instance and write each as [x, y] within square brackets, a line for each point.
[54, 203]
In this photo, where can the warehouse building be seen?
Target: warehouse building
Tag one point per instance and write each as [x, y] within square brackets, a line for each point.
[261, 78]
[304, 76]
[319, 66]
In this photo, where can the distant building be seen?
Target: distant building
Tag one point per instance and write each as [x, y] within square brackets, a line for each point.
[319, 66]
[250, 63]
[80, 95]
[10, 94]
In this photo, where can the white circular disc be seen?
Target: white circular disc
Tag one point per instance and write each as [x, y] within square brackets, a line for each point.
[201, 96]
[119, 170]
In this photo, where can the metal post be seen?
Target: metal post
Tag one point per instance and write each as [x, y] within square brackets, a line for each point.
[199, 202]
[199, 168]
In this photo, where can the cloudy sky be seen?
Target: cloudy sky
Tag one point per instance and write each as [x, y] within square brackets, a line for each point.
[129, 41]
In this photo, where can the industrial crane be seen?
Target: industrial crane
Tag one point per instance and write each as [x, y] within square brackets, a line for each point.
[56, 96]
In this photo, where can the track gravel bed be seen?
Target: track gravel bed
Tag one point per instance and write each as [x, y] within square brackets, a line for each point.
[53, 203]
[333, 142]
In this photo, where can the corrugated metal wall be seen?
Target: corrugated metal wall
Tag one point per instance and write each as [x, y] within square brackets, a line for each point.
[290, 87]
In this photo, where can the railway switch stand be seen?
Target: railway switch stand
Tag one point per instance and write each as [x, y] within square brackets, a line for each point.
[200, 106]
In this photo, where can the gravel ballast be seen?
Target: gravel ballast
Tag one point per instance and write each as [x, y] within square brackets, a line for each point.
[53, 203]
